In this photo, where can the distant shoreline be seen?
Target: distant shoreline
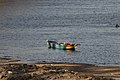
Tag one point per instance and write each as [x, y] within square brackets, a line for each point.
[11, 60]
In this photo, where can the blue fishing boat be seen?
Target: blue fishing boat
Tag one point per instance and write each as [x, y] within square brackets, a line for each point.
[63, 46]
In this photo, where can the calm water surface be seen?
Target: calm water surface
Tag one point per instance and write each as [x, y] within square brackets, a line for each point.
[25, 25]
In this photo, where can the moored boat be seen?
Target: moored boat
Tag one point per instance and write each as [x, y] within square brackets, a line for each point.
[63, 46]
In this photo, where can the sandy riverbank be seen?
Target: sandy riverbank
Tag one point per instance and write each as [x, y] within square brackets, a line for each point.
[11, 70]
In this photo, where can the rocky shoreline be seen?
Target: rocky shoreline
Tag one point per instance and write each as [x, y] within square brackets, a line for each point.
[11, 70]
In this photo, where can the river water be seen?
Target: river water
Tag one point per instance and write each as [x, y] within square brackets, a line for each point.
[25, 25]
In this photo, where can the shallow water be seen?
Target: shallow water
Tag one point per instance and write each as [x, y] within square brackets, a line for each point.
[25, 25]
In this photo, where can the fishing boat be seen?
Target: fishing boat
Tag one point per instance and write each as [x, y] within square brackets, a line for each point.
[63, 46]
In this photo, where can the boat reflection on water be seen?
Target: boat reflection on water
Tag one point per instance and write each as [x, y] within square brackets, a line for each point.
[71, 51]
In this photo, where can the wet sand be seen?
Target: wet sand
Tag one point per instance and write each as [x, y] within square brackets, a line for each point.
[11, 69]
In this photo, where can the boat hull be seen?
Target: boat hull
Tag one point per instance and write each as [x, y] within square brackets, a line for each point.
[56, 45]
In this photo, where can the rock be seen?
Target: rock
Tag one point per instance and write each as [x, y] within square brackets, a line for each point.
[1, 76]
[9, 72]
[34, 75]
[66, 70]
[20, 77]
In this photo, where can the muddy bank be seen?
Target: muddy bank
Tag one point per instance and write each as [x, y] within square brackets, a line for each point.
[56, 71]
